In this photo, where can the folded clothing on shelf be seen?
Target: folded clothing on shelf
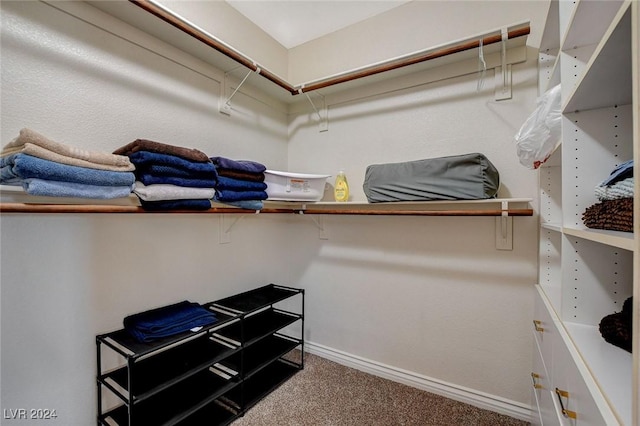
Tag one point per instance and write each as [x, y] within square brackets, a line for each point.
[168, 321]
[162, 148]
[33, 143]
[612, 215]
[617, 328]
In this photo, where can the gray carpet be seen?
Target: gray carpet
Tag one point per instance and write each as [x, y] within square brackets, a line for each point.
[326, 393]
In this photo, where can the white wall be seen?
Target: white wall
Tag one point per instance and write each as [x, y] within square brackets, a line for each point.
[66, 278]
[411, 27]
[430, 296]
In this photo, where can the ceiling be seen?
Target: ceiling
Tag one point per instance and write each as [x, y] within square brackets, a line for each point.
[295, 22]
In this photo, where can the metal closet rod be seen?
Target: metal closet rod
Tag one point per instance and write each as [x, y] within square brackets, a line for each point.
[211, 41]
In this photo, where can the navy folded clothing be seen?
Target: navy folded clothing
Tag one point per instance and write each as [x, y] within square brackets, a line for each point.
[226, 195]
[188, 204]
[239, 185]
[144, 158]
[238, 165]
[149, 179]
[168, 321]
[164, 170]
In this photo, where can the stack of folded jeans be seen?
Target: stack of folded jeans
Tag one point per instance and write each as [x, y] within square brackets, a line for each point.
[614, 211]
[170, 177]
[240, 183]
[48, 168]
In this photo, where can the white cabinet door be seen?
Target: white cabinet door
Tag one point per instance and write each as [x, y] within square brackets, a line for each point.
[571, 391]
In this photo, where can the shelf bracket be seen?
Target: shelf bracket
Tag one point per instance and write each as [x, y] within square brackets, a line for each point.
[225, 106]
[319, 222]
[502, 76]
[323, 119]
[504, 229]
[225, 229]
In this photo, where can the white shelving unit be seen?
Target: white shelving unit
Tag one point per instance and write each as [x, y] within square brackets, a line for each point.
[586, 274]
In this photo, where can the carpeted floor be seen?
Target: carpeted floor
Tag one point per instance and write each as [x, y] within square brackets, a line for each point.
[329, 394]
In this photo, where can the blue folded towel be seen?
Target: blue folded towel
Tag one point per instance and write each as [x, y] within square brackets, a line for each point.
[145, 158]
[244, 204]
[175, 205]
[168, 321]
[149, 179]
[239, 185]
[226, 195]
[17, 167]
[238, 165]
[163, 170]
[52, 188]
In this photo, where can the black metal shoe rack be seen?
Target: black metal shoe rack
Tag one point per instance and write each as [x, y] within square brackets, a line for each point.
[209, 377]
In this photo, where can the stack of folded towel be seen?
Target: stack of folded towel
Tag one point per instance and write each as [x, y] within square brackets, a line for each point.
[170, 177]
[615, 209]
[168, 321]
[240, 183]
[48, 168]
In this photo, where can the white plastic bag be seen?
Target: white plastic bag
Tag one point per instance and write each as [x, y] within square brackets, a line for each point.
[541, 133]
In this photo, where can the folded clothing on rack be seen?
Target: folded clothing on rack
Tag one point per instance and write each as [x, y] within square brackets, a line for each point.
[37, 145]
[162, 148]
[613, 215]
[168, 321]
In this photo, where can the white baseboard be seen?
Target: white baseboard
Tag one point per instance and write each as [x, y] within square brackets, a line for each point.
[449, 390]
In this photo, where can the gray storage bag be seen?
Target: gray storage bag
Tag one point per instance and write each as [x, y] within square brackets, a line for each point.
[458, 177]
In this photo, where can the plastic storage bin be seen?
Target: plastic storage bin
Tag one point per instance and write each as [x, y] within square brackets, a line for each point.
[287, 186]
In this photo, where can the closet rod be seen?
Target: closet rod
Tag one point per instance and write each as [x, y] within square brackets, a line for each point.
[415, 58]
[211, 41]
[100, 208]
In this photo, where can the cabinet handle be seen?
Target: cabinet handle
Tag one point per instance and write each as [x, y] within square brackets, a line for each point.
[567, 413]
[536, 325]
[534, 377]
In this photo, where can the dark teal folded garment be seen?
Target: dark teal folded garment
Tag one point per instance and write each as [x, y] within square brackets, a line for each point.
[168, 321]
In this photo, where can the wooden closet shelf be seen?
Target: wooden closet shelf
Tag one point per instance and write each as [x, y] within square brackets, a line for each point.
[296, 209]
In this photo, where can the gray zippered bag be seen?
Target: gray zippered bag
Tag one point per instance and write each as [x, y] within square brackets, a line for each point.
[458, 177]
